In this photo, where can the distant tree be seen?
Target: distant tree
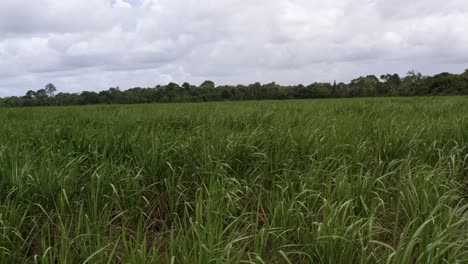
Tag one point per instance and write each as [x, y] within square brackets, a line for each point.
[271, 90]
[112, 95]
[413, 83]
[90, 97]
[41, 94]
[334, 89]
[173, 86]
[364, 86]
[13, 101]
[252, 90]
[447, 84]
[465, 74]
[391, 78]
[186, 85]
[226, 92]
[342, 90]
[208, 85]
[50, 89]
[30, 94]
[413, 76]
[391, 84]
[66, 99]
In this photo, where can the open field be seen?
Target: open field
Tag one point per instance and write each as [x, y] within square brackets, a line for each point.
[310, 181]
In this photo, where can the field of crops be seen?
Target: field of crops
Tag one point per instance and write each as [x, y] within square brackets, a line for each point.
[309, 181]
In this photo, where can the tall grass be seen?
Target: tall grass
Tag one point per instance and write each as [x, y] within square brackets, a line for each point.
[320, 181]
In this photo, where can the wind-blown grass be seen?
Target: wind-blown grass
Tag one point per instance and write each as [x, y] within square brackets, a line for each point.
[317, 181]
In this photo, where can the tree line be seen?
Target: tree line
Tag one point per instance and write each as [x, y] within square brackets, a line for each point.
[413, 84]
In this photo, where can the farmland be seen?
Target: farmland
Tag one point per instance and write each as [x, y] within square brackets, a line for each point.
[296, 181]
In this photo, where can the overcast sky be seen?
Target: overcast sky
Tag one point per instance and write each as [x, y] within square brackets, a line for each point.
[95, 44]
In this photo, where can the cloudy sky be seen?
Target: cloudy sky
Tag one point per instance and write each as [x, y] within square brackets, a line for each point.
[95, 44]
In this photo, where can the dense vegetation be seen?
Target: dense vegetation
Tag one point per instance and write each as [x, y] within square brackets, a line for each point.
[413, 84]
[298, 181]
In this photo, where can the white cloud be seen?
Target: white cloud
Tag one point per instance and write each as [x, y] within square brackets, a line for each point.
[95, 44]
[121, 4]
[55, 16]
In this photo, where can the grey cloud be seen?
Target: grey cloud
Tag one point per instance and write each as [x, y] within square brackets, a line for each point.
[410, 9]
[55, 16]
[84, 45]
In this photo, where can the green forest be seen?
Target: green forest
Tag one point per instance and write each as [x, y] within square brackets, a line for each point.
[412, 84]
